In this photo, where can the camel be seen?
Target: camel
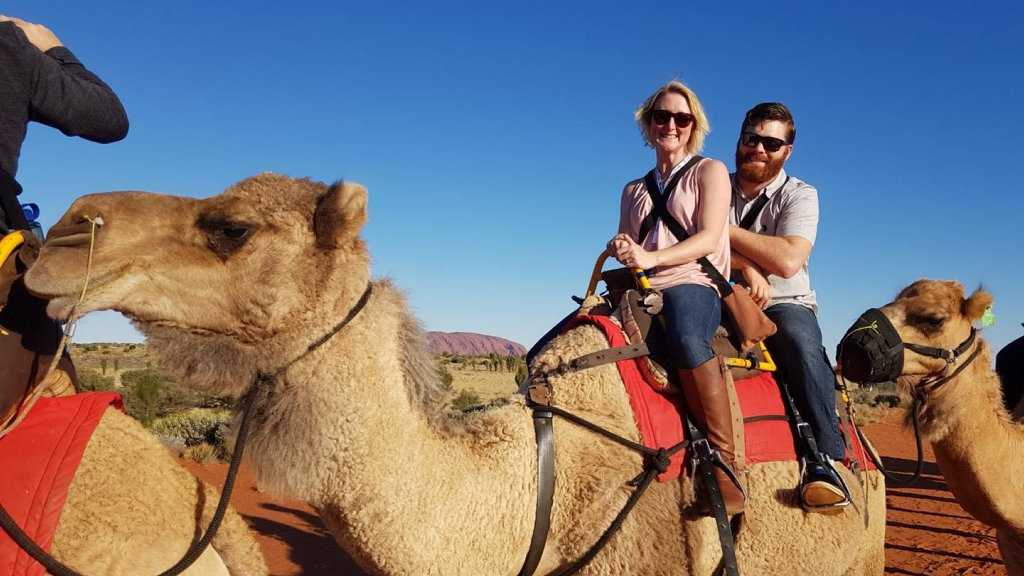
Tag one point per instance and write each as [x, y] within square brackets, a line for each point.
[130, 509]
[258, 279]
[978, 444]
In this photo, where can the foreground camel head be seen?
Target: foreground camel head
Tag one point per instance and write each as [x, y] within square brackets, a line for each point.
[237, 275]
[928, 314]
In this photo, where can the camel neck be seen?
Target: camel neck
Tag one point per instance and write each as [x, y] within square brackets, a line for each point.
[976, 443]
[358, 426]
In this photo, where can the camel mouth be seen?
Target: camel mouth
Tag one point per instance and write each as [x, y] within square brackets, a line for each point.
[70, 235]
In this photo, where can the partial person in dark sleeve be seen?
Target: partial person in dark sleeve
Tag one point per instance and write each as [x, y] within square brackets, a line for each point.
[42, 81]
[1010, 367]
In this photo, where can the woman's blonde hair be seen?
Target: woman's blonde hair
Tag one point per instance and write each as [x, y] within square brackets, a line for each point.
[701, 127]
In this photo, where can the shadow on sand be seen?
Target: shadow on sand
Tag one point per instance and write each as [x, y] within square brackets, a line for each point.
[313, 550]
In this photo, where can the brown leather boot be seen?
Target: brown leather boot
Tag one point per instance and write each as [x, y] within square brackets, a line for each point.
[708, 401]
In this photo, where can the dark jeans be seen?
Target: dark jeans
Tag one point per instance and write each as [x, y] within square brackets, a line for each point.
[692, 314]
[805, 369]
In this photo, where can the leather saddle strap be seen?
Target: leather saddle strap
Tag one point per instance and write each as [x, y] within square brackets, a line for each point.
[610, 355]
[542, 426]
[704, 460]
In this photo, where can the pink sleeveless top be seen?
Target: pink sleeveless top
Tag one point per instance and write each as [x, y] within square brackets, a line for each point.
[684, 203]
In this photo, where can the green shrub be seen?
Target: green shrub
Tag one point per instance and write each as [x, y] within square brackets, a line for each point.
[142, 394]
[200, 453]
[446, 377]
[521, 372]
[465, 400]
[194, 427]
[91, 381]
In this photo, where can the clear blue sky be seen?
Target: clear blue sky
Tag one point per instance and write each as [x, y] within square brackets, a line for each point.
[495, 140]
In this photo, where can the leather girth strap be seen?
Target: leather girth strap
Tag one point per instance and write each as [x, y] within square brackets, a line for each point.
[542, 426]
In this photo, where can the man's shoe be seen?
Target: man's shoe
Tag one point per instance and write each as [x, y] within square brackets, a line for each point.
[822, 491]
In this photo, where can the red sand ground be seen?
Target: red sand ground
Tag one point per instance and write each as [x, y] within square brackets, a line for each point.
[927, 533]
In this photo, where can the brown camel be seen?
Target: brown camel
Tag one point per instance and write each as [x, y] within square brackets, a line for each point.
[130, 509]
[978, 445]
[245, 282]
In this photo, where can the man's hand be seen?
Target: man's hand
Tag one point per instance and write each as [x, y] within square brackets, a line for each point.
[630, 254]
[760, 288]
[40, 36]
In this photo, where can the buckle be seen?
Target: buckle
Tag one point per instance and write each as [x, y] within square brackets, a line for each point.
[539, 393]
[702, 450]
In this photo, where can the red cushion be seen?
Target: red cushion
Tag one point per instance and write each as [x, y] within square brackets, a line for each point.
[767, 434]
[38, 460]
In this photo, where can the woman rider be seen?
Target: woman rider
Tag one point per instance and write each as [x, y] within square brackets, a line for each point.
[673, 123]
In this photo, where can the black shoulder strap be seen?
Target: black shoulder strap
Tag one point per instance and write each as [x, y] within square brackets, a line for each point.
[758, 205]
[661, 212]
[652, 184]
[10, 210]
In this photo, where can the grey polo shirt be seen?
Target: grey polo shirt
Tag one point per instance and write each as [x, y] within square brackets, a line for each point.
[792, 210]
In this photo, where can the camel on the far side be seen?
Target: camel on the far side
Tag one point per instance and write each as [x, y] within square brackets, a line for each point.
[978, 444]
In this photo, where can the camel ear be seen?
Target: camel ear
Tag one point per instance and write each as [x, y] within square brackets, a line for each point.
[340, 215]
[976, 305]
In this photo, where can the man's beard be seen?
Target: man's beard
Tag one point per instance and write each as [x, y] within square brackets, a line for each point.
[752, 172]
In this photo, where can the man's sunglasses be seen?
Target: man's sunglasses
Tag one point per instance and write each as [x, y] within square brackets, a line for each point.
[770, 144]
[661, 117]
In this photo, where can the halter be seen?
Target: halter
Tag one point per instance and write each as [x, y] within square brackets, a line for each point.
[931, 382]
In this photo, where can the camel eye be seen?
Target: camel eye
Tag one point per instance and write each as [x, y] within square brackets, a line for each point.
[234, 232]
[225, 236]
[929, 323]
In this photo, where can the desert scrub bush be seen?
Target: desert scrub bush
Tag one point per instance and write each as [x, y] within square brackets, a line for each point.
[92, 381]
[201, 453]
[446, 377]
[142, 394]
[465, 400]
[193, 427]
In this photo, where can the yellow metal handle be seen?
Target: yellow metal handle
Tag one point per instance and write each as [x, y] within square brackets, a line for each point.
[641, 278]
[9, 244]
[765, 365]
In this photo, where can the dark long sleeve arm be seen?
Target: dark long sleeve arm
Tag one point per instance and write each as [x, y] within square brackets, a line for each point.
[66, 96]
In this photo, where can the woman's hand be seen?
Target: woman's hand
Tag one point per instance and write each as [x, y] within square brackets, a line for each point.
[760, 288]
[40, 36]
[630, 254]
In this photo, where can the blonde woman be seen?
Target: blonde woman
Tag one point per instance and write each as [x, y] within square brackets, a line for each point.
[696, 193]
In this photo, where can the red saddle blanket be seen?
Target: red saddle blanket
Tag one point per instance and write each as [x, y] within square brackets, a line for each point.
[38, 460]
[768, 436]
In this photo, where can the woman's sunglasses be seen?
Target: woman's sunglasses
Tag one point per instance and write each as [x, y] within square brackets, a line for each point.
[770, 144]
[661, 117]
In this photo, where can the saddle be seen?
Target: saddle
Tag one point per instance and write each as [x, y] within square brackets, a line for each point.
[635, 312]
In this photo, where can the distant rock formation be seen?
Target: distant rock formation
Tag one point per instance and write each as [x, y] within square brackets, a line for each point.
[471, 344]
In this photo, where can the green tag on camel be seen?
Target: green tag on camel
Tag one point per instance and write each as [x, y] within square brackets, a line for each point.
[988, 318]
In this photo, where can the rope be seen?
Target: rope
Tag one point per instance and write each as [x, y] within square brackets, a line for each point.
[656, 461]
[45, 384]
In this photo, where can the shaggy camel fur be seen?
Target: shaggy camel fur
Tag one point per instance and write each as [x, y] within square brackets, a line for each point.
[131, 510]
[246, 281]
[978, 445]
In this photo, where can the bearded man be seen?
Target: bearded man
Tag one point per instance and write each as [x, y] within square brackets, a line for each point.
[774, 219]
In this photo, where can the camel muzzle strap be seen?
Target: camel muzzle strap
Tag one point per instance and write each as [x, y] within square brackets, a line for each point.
[871, 351]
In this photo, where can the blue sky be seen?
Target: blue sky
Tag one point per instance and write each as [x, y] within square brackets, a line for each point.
[495, 141]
